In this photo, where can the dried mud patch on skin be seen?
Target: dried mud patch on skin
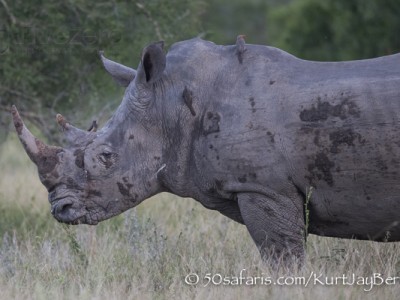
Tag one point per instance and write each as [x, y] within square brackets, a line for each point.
[211, 123]
[343, 137]
[125, 190]
[47, 157]
[321, 168]
[79, 158]
[188, 100]
[18, 124]
[323, 110]
[252, 104]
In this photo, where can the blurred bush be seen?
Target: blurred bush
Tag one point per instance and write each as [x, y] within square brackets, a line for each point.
[49, 59]
[337, 29]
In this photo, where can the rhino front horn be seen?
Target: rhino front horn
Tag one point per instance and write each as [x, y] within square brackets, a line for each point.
[44, 156]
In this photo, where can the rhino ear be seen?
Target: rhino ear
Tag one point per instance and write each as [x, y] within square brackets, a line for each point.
[152, 64]
[120, 73]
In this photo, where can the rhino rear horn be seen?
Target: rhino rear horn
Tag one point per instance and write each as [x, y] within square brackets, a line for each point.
[44, 156]
[121, 74]
[72, 134]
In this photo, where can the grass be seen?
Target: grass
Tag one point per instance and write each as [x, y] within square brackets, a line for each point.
[307, 210]
[147, 252]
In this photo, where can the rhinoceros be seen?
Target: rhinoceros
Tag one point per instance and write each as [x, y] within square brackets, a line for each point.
[246, 130]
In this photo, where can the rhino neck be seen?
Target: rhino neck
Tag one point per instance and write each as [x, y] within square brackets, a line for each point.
[178, 152]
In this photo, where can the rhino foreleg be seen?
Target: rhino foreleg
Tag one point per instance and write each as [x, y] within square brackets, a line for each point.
[276, 226]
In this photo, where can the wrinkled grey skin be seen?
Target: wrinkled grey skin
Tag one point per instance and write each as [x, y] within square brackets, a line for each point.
[246, 130]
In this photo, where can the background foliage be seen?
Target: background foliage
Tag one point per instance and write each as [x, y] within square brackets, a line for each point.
[337, 29]
[49, 52]
[49, 49]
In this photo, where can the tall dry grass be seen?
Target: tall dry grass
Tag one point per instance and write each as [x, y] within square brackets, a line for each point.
[148, 252]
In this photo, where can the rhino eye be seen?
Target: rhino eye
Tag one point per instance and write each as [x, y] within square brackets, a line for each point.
[107, 158]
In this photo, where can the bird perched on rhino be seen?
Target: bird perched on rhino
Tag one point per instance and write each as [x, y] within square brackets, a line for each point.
[240, 47]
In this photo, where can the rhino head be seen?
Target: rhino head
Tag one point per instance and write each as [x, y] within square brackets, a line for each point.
[100, 174]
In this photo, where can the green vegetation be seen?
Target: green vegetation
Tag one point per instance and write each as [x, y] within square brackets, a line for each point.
[337, 29]
[307, 210]
[49, 52]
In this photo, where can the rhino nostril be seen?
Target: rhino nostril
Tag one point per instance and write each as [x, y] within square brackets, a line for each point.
[61, 208]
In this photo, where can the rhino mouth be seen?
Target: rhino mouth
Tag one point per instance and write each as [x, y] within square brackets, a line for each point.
[66, 211]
